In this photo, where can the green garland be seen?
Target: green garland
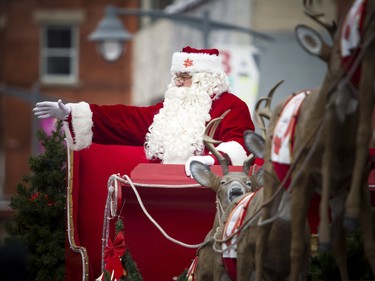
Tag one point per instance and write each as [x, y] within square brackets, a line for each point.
[132, 272]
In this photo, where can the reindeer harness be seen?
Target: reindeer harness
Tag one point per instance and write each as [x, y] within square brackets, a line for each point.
[282, 142]
[235, 220]
[351, 38]
[229, 248]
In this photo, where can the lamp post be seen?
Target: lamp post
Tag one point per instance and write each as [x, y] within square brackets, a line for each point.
[110, 34]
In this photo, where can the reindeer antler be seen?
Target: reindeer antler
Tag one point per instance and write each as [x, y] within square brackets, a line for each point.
[319, 18]
[266, 112]
[262, 114]
[247, 163]
[209, 141]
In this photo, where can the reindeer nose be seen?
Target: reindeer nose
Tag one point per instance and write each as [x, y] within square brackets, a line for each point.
[235, 192]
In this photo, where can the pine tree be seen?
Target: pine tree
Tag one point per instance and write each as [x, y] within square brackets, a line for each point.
[39, 203]
[39, 223]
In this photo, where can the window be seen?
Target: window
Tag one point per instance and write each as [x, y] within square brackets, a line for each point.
[59, 54]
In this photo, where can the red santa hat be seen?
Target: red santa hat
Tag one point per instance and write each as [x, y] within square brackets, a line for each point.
[196, 60]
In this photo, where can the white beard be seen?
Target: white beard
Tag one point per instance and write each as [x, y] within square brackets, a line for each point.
[177, 130]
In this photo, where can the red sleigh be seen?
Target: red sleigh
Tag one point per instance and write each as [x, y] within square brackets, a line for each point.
[180, 206]
[185, 213]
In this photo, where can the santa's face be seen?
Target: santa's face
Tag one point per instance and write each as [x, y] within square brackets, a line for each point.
[182, 79]
[177, 130]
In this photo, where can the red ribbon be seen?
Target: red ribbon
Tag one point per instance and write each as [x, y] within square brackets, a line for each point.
[112, 254]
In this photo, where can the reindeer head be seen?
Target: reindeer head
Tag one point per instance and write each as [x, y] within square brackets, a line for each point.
[228, 186]
[312, 42]
[231, 184]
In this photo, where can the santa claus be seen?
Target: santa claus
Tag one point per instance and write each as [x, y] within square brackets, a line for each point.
[170, 131]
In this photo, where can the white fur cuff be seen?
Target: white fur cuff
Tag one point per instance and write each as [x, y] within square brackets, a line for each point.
[234, 150]
[82, 126]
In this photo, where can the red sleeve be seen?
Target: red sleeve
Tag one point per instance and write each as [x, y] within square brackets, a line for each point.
[235, 123]
[122, 124]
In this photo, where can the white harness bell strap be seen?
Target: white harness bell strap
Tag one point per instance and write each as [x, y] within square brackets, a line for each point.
[282, 142]
[235, 220]
[190, 275]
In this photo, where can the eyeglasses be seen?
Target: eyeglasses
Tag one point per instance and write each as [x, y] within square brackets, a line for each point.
[181, 78]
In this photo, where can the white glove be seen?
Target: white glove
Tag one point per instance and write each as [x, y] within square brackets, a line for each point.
[51, 109]
[206, 159]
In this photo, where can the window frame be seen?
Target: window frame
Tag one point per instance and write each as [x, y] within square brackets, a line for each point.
[72, 53]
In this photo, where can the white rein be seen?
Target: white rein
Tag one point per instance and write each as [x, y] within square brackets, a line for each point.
[113, 205]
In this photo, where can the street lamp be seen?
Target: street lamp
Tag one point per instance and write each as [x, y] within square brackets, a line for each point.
[111, 35]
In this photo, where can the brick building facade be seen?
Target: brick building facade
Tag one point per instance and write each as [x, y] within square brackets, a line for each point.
[32, 55]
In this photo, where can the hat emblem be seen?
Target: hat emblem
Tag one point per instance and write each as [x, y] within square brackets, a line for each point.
[188, 62]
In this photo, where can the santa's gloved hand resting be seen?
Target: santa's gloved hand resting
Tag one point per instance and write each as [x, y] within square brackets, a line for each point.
[51, 109]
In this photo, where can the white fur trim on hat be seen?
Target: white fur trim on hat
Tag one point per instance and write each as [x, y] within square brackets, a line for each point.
[196, 62]
[82, 126]
[234, 150]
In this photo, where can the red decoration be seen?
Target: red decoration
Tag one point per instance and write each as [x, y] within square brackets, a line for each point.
[188, 62]
[36, 196]
[112, 256]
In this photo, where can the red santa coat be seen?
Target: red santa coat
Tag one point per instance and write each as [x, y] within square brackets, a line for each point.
[128, 125]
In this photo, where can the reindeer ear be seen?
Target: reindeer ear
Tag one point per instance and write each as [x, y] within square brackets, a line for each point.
[259, 176]
[254, 143]
[203, 175]
[309, 39]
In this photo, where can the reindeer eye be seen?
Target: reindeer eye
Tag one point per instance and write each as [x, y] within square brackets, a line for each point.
[222, 182]
[248, 183]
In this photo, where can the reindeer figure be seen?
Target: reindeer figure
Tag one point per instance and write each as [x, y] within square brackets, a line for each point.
[332, 133]
[214, 265]
[229, 186]
[276, 262]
